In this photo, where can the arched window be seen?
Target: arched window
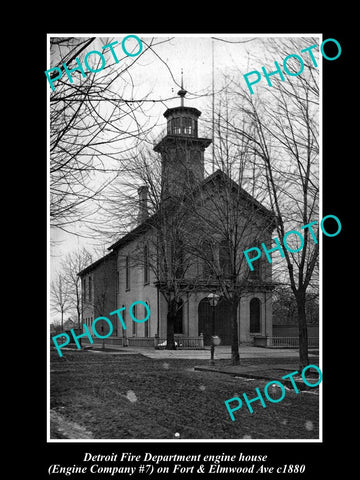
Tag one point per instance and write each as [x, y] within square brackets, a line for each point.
[84, 289]
[127, 272]
[146, 324]
[187, 126]
[177, 258]
[175, 126]
[255, 315]
[90, 289]
[146, 265]
[255, 274]
[208, 259]
[224, 258]
[182, 126]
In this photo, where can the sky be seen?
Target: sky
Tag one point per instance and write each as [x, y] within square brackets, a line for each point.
[155, 75]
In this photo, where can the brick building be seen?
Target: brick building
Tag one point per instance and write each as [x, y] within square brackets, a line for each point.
[125, 276]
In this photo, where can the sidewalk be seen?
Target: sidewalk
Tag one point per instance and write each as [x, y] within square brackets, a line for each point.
[274, 372]
[261, 371]
[221, 352]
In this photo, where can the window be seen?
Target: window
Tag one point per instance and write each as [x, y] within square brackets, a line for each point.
[177, 258]
[117, 282]
[146, 265]
[175, 126]
[134, 309]
[188, 126]
[255, 314]
[123, 314]
[224, 258]
[84, 289]
[255, 274]
[90, 289]
[146, 324]
[208, 259]
[127, 272]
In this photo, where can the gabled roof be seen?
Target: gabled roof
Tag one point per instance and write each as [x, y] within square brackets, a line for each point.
[142, 228]
[219, 175]
[91, 267]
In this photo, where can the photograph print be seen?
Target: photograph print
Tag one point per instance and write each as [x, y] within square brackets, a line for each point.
[185, 236]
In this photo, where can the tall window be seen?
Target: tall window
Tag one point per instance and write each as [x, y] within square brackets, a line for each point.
[175, 126]
[90, 289]
[188, 126]
[123, 313]
[127, 272]
[255, 274]
[177, 258]
[146, 265]
[208, 260]
[255, 314]
[84, 289]
[134, 311]
[146, 324]
[224, 258]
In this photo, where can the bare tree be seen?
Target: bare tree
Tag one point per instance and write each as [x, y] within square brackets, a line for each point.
[225, 219]
[94, 122]
[161, 246]
[193, 237]
[199, 231]
[60, 299]
[285, 308]
[281, 124]
[72, 264]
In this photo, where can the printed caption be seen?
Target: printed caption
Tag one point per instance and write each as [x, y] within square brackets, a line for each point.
[127, 463]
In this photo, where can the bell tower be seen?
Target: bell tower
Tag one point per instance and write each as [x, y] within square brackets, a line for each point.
[182, 151]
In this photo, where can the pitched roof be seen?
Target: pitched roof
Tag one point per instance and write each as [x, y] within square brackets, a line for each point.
[88, 269]
[218, 175]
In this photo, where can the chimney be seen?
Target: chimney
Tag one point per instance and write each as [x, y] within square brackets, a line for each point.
[143, 212]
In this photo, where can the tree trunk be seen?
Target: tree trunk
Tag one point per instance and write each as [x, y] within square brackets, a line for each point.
[78, 316]
[78, 304]
[303, 334]
[170, 341]
[235, 356]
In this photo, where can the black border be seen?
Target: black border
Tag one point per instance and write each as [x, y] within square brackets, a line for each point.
[339, 85]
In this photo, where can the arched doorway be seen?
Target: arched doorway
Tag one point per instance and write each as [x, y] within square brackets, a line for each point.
[222, 320]
[255, 315]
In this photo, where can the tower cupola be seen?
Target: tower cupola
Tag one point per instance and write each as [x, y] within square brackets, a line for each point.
[182, 150]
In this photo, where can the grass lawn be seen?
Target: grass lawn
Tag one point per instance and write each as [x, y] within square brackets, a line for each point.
[134, 397]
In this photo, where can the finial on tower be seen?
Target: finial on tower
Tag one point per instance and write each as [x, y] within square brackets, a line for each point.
[182, 92]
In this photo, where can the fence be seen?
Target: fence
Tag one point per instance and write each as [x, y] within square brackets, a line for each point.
[140, 341]
[290, 342]
[120, 341]
[182, 343]
[193, 343]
